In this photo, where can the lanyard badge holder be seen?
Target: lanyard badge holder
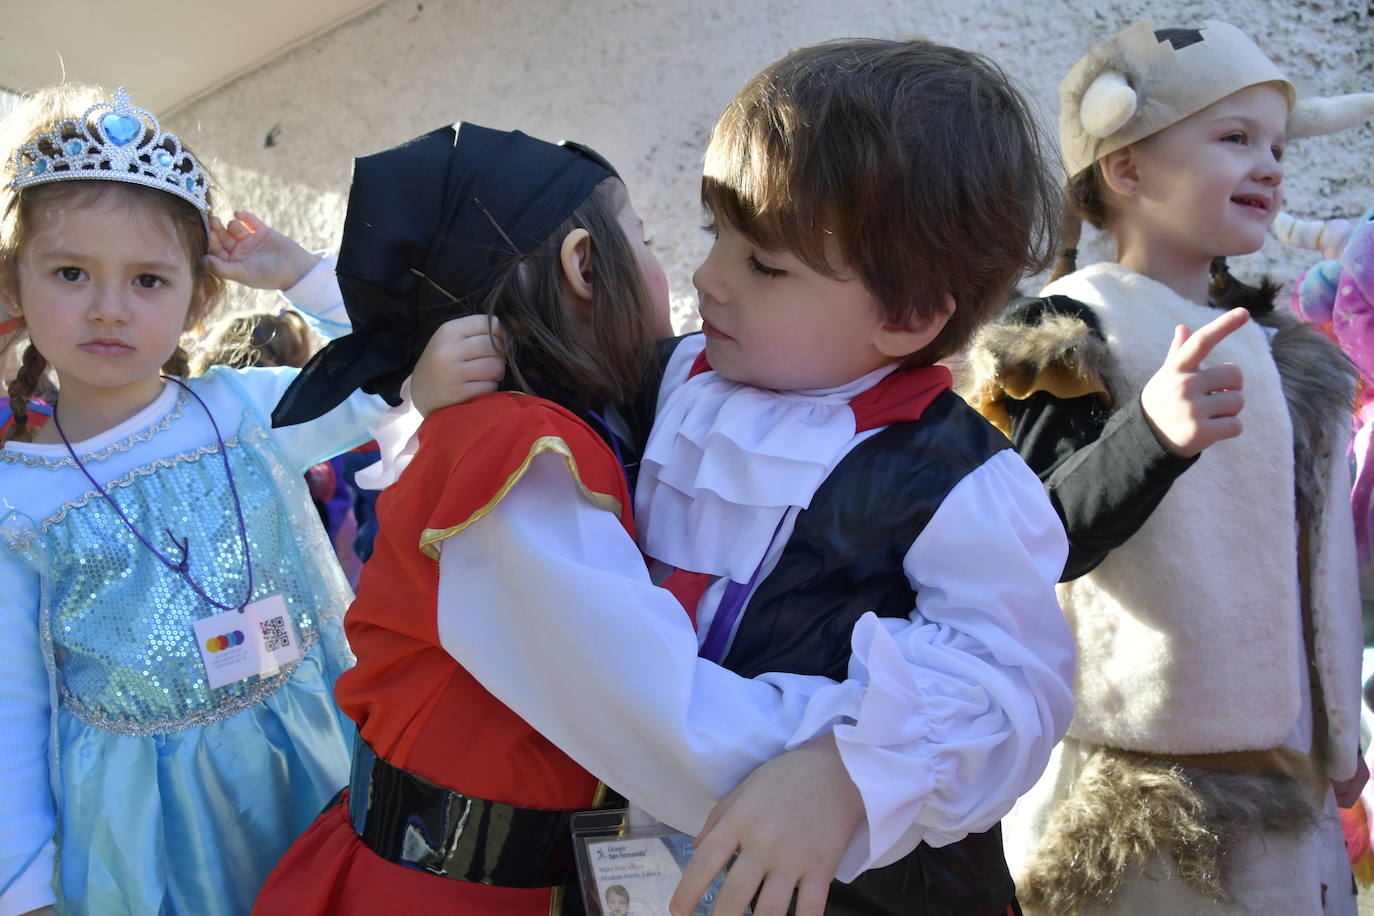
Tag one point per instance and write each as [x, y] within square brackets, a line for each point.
[259, 637]
[255, 641]
[628, 863]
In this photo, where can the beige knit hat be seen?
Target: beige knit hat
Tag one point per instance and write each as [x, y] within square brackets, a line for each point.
[1134, 84]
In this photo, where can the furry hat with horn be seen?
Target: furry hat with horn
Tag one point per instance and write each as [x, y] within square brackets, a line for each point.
[1140, 81]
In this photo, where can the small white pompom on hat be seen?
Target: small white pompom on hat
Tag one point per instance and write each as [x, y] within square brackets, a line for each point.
[1108, 104]
[1136, 84]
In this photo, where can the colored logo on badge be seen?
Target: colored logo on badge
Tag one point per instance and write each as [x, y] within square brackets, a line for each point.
[220, 643]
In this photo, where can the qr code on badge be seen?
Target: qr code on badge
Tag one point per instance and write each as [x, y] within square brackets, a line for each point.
[274, 633]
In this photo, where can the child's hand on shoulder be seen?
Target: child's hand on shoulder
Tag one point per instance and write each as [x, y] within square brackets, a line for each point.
[250, 252]
[1190, 407]
[787, 827]
[464, 359]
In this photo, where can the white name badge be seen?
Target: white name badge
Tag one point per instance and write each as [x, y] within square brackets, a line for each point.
[630, 864]
[257, 641]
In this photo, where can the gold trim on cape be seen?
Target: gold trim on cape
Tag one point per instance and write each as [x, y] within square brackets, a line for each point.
[431, 536]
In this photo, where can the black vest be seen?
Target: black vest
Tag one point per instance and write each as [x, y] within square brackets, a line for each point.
[844, 558]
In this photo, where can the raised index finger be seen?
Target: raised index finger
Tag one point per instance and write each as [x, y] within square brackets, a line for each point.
[1199, 345]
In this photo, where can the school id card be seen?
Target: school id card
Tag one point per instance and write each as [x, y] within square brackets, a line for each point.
[630, 864]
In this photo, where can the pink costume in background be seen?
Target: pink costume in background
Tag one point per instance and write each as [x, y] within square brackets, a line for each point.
[1337, 296]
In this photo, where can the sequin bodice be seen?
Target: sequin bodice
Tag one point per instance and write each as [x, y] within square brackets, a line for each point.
[120, 621]
[159, 794]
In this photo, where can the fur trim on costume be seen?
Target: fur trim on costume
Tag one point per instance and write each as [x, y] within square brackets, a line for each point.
[1059, 353]
[1125, 809]
[1224, 291]
[1019, 354]
[1319, 385]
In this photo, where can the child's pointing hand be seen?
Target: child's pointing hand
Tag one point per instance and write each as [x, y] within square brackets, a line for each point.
[1190, 407]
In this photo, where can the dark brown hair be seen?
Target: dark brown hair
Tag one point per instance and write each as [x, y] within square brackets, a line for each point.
[920, 163]
[41, 113]
[552, 352]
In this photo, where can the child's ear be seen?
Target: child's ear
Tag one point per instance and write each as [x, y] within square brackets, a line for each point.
[576, 257]
[1121, 171]
[897, 341]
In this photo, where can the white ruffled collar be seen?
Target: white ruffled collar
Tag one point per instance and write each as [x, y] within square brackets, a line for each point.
[725, 462]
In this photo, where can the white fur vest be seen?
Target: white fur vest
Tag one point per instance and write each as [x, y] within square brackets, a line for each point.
[1190, 635]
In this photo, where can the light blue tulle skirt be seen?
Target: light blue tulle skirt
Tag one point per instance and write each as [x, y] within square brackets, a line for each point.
[192, 822]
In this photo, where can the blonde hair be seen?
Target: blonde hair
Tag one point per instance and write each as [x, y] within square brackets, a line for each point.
[43, 113]
[264, 339]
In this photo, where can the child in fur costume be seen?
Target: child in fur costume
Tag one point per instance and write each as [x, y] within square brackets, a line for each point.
[1213, 596]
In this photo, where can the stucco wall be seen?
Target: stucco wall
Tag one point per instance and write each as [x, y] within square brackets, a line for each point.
[644, 81]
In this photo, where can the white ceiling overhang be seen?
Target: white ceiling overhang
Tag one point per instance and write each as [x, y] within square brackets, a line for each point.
[166, 54]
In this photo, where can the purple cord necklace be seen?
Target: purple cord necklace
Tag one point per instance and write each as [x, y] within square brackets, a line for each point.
[181, 567]
[611, 437]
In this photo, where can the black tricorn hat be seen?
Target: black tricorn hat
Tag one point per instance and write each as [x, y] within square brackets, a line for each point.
[426, 223]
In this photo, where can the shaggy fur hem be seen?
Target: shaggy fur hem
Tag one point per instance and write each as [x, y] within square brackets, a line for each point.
[1319, 386]
[1125, 809]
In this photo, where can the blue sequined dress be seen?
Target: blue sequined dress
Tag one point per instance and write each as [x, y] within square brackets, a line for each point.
[122, 774]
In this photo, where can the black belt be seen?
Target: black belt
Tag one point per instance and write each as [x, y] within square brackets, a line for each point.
[411, 821]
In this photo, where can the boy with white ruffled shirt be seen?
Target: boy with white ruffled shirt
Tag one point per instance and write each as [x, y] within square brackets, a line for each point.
[828, 511]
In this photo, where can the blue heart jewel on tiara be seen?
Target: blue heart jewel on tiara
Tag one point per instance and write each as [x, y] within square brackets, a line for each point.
[121, 129]
[115, 140]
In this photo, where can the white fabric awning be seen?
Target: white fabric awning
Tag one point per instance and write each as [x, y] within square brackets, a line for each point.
[165, 54]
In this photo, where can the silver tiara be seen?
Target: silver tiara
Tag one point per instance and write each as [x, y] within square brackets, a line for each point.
[118, 142]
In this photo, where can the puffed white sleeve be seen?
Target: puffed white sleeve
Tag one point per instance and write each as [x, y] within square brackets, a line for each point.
[546, 601]
[27, 817]
[397, 434]
[955, 710]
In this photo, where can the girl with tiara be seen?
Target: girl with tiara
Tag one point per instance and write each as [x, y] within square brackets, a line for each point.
[468, 220]
[1211, 577]
[171, 608]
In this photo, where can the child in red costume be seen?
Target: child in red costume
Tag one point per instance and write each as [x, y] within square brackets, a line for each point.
[950, 696]
[448, 781]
